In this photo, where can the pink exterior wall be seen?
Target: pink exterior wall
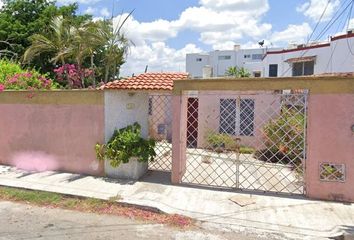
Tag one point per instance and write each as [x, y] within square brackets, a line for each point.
[41, 137]
[267, 107]
[330, 140]
[179, 136]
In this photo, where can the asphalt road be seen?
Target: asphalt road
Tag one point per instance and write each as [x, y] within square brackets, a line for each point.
[20, 221]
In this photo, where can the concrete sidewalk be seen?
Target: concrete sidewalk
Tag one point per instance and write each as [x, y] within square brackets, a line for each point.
[293, 218]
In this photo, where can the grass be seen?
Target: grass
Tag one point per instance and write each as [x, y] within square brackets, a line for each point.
[91, 205]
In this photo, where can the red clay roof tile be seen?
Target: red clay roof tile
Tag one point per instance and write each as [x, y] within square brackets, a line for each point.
[147, 81]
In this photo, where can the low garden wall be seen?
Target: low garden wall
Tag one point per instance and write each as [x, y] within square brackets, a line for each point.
[52, 130]
[330, 165]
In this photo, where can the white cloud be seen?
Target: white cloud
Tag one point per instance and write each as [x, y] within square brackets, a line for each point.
[313, 9]
[159, 57]
[105, 12]
[139, 33]
[90, 10]
[235, 5]
[293, 34]
[219, 23]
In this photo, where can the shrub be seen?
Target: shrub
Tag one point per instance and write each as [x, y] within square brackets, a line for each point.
[13, 77]
[70, 75]
[284, 137]
[219, 140]
[125, 144]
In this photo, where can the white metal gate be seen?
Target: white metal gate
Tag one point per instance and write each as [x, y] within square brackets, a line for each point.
[247, 140]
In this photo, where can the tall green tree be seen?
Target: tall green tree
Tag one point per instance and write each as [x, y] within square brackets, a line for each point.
[56, 43]
[20, 19]
[115, 46]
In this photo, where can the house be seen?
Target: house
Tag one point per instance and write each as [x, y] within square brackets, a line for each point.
[238, 114]
[216, 63]
[315, 58]
[324, 58]
[159, 87]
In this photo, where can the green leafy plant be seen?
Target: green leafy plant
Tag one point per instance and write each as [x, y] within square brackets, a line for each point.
[284, 137]
[13, 77]
[125, 144]
[237, 72]
[220, 142]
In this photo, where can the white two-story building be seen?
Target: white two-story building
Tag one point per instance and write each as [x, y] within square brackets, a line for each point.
[217, 62]
[334, 56]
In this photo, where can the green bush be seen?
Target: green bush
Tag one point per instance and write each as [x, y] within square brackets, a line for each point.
[285, 137]
[13, 77]
[125, 144]
[227, 142]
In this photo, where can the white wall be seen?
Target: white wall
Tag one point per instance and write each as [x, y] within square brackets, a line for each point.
[343, 58]
[195, 68]
[335, 58]
[219, 67]
[121, 110]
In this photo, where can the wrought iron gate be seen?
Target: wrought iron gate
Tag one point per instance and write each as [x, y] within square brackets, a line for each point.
[160, 129]
[249, 141]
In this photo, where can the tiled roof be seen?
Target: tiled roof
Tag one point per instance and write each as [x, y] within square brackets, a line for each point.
[301, 59]
[147, 81]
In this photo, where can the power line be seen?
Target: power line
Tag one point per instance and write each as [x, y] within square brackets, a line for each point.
[319, 20]
[342, 23]
[330, 23]
[349, 18]
[326, 28]
[313, 31]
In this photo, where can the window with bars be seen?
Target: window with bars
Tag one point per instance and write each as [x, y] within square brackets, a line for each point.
[237, 117]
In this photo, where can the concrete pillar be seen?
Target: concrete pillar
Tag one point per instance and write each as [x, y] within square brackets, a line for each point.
[330, 140]
[179, 137]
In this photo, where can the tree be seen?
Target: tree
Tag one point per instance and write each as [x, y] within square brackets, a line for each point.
[237, 72]
[56, 43]
[98, 45]
[20, 19]
[114, 46]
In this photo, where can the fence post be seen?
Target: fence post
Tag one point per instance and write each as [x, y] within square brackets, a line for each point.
[179, 137]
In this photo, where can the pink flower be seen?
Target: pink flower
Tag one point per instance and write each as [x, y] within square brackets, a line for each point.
[2, 87]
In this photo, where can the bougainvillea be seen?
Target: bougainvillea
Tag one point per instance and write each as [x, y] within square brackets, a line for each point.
[13, 77]
[70, 74]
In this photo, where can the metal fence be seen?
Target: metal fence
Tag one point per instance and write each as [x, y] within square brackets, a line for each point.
[247, 140]
[160, 129]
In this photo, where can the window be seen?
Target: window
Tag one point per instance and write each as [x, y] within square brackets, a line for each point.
[303, 68]
[150, 106]
[273, 70]
[246, 117]
[226, 57]
[237, 117]
[257, 74]
[247, 56]
[199, 59]
[257, 56]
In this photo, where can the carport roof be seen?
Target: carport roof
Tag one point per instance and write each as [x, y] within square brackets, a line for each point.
[147, 81]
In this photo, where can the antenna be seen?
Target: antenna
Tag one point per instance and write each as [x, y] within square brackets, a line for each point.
[146, 68]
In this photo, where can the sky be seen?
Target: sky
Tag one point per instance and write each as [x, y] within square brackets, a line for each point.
[164, 31]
